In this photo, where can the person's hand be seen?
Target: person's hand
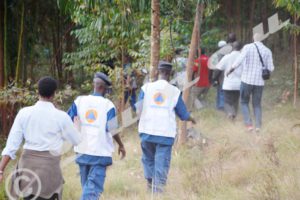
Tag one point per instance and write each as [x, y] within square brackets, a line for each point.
[230, 71]
[122, 152]
[192, 120]
[215, 83]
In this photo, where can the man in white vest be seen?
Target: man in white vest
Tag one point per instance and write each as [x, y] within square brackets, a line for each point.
[97, 116]
[159, 103]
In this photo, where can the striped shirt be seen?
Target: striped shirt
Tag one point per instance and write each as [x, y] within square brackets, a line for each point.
[252, 67]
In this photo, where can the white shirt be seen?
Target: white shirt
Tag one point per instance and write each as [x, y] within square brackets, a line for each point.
[252, 68]
[43, 127]
[233, 81]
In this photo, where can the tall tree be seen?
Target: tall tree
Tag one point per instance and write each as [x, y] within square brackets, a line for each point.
[18, 70]
[294, 8]
[1, 45]
[155, 38]
[192, 53]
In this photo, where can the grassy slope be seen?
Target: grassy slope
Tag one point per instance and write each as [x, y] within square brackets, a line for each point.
[232, 165]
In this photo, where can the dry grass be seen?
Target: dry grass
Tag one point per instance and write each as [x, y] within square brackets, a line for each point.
[233, 165]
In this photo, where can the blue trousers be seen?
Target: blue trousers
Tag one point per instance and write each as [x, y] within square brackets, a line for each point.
[92, 181]
[132, 95]
[156, 161]
[255, 92]
[220, 98]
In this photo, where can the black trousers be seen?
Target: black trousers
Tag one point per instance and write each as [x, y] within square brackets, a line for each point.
[231, 102]
[54, 197]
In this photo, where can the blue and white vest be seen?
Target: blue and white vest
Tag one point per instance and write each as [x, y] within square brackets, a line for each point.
[92, 112]
[158, 115]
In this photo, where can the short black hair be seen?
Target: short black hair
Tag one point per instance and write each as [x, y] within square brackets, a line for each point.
[47, 86]
[237, 46]
[165, 71]
[231, 38]
[203, 51]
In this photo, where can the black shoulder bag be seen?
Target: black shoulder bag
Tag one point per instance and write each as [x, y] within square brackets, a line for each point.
[265, 72]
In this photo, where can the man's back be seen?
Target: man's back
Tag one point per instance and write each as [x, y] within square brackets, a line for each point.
[252, 68]
[94, 114]
[43, 127]
[158, 114]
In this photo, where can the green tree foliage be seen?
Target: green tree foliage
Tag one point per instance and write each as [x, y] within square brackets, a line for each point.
[293, 7]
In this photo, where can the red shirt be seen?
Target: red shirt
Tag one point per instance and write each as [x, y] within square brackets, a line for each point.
[204, 71]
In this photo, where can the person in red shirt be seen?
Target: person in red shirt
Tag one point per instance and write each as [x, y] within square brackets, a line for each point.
[200, 89]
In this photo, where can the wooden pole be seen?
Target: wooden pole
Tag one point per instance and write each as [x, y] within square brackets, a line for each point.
[20, 46]
[155, 38]
[295, 64]
[192, 52]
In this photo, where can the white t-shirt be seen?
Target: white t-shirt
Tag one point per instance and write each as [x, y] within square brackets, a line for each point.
[233, 81]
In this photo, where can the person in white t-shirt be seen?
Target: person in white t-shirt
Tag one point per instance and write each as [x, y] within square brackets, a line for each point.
[232, 82]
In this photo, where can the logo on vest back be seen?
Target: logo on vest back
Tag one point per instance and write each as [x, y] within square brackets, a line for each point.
[159, 98]
[91, 116]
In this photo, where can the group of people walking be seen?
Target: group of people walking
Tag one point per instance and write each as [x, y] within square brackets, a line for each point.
[91, 122]
[90, 125]
[238, 73]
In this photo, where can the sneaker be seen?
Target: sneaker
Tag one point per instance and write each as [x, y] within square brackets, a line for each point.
[249, 128]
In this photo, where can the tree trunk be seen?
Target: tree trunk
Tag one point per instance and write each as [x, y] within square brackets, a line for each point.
[238, 27]
[59, 50]
[229, 11]
[264, 16]
[192, 51]
[69, 48]
[2, 77]
[155, 38]
[251, 20]
[5, 53]
[295, 65]
[20, 46]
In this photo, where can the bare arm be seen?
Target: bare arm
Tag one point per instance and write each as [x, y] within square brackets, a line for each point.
[4, 162]
[121, 149]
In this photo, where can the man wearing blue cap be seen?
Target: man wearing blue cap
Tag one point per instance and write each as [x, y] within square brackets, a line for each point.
[97, 116]
[159, 101]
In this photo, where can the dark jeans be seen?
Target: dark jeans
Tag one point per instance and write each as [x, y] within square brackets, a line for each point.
[54, 197]
[255, 92]
[132, 95]
[231, 98]
[156, 161]
[220, 98]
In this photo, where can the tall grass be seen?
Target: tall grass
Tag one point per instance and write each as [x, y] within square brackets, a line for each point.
[232, 165]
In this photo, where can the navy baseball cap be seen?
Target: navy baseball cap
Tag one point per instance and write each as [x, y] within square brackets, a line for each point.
[103, 77]
[164, 65]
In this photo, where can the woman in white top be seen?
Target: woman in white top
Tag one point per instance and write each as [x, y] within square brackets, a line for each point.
[232, 82]
[43, 128]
